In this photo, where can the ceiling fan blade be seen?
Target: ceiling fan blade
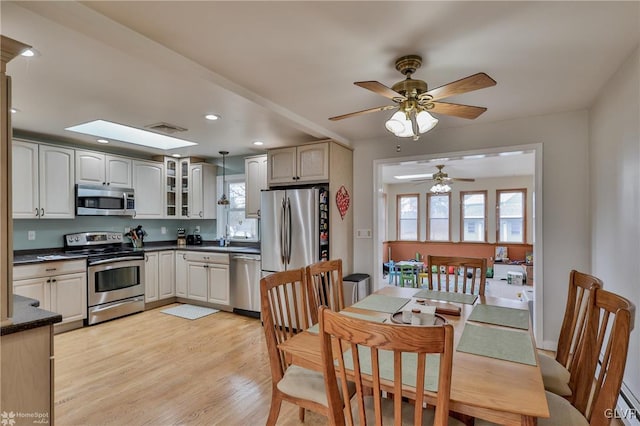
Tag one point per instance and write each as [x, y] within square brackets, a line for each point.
[463, 179]
[366, 111]
[467, 84]
[457, 110]
[380, 89]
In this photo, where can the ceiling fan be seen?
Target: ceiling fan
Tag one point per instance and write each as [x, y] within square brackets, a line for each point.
[413, 99]
[441, 180]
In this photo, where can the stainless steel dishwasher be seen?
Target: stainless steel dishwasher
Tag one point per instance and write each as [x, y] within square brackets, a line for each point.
[245, 284]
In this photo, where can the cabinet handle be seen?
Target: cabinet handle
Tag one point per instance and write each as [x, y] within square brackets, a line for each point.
[108, 183]
[184, 257]
[294, 178]
[146, 257]
[51, 269]
[200, 214]
[53, 280]
[49, 280]
[104, 183]
[42, 212]
[37, 212]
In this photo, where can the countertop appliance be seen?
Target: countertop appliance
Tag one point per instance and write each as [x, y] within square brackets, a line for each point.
[182, 238]
[244, 278]
[294, 227]
[98, 200]
[115, 274]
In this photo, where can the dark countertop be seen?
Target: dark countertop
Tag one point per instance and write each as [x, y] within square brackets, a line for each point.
[23, 257]
[27, 315]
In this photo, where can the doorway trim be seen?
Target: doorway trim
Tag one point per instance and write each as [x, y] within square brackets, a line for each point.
[538, 288]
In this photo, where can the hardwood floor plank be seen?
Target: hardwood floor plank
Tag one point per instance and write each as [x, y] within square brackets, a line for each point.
[157, 369]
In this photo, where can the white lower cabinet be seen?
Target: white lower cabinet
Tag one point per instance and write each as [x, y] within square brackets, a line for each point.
[181, 273]
[60, 287]
[159, 275]
[203, 276]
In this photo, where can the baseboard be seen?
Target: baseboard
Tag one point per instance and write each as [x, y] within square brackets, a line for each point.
[158, 303]
[67, 326]
[549, 345]
[205, 304]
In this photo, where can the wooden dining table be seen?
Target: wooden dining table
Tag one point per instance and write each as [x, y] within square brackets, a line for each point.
[504, 392]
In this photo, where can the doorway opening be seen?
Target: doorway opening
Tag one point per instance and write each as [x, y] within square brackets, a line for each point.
[493, 201]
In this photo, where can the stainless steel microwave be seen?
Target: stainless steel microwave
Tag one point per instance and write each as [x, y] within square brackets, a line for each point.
[97, 200]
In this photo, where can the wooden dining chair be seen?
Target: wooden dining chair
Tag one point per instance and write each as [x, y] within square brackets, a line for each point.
[557, 372]
[285, 312]
[457, 274]
[325, 286]
[405, 349]
[600, 365]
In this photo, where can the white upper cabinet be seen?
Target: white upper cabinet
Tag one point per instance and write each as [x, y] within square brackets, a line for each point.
[202, 191]
[301, 164]
[43, 181]
[97, 168]
[148, 187]
[255, 172]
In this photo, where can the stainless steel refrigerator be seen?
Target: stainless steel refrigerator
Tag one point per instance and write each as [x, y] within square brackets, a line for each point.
[294, 225]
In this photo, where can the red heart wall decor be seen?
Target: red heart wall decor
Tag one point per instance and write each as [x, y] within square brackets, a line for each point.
[342, 201]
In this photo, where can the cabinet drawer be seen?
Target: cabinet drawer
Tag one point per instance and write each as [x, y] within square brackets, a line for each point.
[45, 269]
[207, 257]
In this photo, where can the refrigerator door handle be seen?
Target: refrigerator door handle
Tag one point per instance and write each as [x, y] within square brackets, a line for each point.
[288, 231]
[283, 248]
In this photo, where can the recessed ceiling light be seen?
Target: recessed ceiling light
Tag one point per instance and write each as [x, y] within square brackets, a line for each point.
[212, 117]
[132, 135]
[14, 110]
[175, 155]
[102, 141]
[258, 143]
[28, 53]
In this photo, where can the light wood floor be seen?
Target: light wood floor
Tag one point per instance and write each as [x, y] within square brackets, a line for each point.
[157, 369]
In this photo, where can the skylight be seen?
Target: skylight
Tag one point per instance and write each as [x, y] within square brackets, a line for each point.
[114, 131]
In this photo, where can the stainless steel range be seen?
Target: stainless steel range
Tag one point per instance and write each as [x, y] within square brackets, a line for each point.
[115, 274]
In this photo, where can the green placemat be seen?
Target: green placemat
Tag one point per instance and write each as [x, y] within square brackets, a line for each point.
[500, 315]
[510, 345]
[409, 366]
[381, 303]
[447, 296]
[315, 329]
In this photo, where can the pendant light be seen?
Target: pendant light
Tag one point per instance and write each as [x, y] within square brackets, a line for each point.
[223, 201]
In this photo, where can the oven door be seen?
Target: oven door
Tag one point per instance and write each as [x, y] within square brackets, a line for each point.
[114, 279]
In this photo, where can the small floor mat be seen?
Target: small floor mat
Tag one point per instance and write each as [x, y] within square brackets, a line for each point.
[189, 311]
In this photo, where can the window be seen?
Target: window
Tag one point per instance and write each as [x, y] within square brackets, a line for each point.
[511, 208]
[232, 218]
[407, 213]
[473, 215]
[438, 224]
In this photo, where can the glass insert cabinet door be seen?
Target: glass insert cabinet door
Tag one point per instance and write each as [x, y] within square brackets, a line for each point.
[172, 197]
[184, 188]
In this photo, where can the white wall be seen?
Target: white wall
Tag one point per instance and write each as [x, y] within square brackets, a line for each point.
[566, 242]
[490, 185]
[615, 201]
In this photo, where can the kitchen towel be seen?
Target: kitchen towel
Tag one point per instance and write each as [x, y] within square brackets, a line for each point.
[189, 311]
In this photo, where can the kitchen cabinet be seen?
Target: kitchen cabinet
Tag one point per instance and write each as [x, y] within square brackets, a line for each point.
[255, 173]
[202, 191]
[97, 168]
[207, 276]
[181, 273]
[151, 277]
[148, 186]
[301, 164]
[60, 287]
[43, 181]
[159, 275]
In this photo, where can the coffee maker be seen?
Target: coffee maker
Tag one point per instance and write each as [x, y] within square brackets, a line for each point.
[182, 237]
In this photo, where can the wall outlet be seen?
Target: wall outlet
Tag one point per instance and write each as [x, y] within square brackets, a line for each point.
[126, 229]
[163, 230]
[363, 233]
[197, 228]
[31, 235]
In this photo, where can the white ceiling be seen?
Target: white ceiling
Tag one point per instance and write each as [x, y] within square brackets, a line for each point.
[276, 71]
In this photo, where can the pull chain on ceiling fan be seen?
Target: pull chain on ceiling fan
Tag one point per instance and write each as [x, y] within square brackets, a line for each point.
[414, 101]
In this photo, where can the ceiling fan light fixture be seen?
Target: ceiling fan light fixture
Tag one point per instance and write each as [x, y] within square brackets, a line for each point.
[400, 124]
[440, 188]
